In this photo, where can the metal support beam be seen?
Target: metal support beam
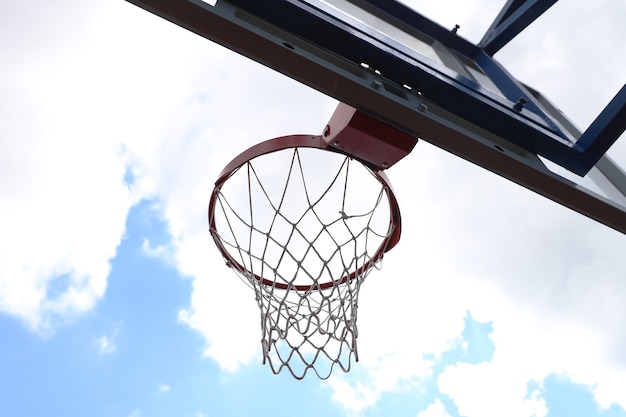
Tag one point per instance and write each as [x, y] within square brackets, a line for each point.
[514, 17]
[606, 174]
[605, 130]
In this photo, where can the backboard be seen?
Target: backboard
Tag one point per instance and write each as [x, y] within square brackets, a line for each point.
[394, 64]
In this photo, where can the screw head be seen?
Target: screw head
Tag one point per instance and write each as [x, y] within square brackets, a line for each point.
[520, 104]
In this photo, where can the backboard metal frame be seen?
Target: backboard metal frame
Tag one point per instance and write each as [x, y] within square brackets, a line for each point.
[463, 101]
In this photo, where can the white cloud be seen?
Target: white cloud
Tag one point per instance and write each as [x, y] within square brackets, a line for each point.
[162, 252]
[163, 388]
[105, 345]
[436, 409]
[62, 192]
[499, 392]
[73, 116]
[353, 397]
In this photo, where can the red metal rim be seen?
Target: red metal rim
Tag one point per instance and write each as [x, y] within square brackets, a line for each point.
[301, 141]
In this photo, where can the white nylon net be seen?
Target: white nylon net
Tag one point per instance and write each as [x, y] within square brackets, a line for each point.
[304, 227]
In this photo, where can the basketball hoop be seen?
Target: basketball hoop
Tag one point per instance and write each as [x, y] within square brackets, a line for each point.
[304, 227]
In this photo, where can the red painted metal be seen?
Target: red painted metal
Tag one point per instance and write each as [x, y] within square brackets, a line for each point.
[366, 138]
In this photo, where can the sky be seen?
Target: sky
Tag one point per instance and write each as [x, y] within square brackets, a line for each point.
[114, 125]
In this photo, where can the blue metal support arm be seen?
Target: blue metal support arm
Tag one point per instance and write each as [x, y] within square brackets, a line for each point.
[514, 17]
[604, 131]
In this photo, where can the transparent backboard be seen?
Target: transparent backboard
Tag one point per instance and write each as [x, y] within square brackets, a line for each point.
[391, 62]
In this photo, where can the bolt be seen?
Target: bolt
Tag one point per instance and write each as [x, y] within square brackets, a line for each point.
[376, 84]
[422, 107]
[385, 165]
[520, 104]
[336, 144]
[456, 28]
